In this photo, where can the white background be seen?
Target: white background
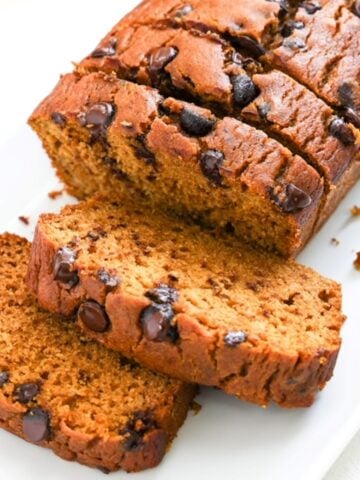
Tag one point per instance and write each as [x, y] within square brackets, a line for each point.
[38, 39]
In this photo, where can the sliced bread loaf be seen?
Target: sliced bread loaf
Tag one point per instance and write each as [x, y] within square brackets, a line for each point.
[72, 395]
[179, 301]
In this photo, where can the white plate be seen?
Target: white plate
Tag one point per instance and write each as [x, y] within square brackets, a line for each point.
[228, 438]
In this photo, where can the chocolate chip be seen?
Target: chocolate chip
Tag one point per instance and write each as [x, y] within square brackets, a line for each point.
[163, 294]
[135, 430]
[58, 118]
[157, 323]
[4, 378]
[107, 279]
[63, 267]
[292, 199]
[107, 51]
[294, 44]
[160, 58]
[311, 7]
[36, 425]
[235, 338]
[26, 392]
[351, 116]
[245, 90]
[356, 8]
[94, 316]
[342, 131]
[99, 114]
[193, 123]
[210, 163]
[250, 45]
[289, 27]
[185, 10]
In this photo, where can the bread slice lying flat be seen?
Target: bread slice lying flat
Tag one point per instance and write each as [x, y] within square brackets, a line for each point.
[61, 391]
[182, 302]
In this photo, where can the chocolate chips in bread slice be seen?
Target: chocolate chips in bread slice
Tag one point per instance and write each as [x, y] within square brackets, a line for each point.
[207, 311]
[62, 391]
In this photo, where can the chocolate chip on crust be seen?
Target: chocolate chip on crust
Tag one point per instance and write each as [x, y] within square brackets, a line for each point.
[157, 323]
[292, 199]
[195, 124]
[36, 425]
[342, 131]
[63, 267]
[94, 316]
[235, 338]
[245, 90]
[107, 51]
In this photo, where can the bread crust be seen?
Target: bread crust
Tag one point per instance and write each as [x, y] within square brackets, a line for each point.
[252, 371]
[106, 451]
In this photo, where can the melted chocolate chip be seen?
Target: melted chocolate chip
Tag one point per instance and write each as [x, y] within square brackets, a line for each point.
[351, 116]
[289, 27]
[4, 378]
[193, 123]
[293, 199]
[63, 267]
[107, 51]
[294, 44]
[99, 114]
[245, 90]
[210, 163]
[185, 10]
[58, 118]
[235, 338]
[356, 8]
[250, 45]
[160, 58]
[342, 131]
[107, 279]
[311, 7]
[36, 425]
[163, 294]
[135, 430]
[157, 323]
[26, 392]
[94, 316]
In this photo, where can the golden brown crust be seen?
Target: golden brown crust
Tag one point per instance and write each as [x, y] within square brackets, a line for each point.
[255, 371]
[67, 438]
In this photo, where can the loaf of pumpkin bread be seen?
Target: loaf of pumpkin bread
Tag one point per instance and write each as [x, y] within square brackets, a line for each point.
[234, 59]
[174, 298]
[61, 391]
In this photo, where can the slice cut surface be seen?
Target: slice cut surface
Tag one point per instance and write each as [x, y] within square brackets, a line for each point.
[181, 302]
[61, 391]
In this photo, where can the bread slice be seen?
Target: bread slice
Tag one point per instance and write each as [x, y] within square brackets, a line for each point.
[221, 171]
[178, 300]
[61, 391]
